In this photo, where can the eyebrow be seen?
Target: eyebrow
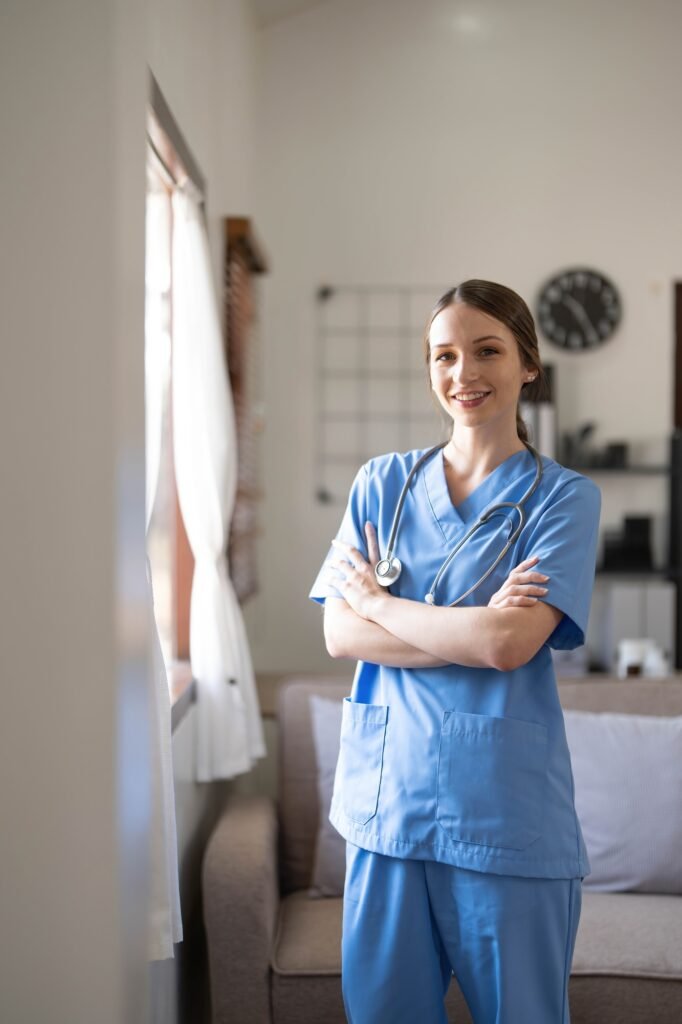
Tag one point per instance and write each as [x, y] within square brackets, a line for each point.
[486, 337]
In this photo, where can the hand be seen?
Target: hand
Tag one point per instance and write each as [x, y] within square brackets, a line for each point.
[520, 586]
[357, 582]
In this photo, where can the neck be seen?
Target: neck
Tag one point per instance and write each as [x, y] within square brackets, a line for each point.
[472, 454]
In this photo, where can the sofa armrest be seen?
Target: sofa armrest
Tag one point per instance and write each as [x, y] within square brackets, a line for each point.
[241, 903]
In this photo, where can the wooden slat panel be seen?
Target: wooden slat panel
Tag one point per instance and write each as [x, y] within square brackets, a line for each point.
[678, 355]
[241, 341]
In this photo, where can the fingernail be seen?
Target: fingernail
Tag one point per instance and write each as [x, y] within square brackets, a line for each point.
[543, 576]
[543, 589]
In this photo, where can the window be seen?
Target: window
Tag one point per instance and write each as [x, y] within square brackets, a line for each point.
[169, 162]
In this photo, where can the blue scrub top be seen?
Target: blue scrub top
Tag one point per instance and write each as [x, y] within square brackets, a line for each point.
[468, 766]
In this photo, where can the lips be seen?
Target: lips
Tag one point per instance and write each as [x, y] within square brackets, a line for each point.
[470, 399]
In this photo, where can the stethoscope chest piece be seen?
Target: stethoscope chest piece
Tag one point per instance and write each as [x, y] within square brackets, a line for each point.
[387, 571]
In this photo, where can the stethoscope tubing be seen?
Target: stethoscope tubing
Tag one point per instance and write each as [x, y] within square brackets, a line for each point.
[482, 519]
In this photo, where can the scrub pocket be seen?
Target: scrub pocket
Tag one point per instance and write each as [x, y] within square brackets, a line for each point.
[492, 775]
[361, 758]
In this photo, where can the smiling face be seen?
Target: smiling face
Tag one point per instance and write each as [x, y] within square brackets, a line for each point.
[476, 369]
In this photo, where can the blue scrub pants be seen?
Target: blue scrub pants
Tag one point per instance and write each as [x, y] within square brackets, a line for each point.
[409, 924]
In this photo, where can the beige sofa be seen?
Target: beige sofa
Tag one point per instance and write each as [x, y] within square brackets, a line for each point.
[274, 953]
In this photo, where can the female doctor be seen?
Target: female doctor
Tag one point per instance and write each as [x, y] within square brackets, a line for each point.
[453, 788]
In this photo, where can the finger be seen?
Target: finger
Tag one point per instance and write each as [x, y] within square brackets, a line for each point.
[527, 562]
[342, 566]
[525, 577]
[334, 577]
[535, 577]
[372, 543]
[529, 588]
[351, 553]
[344, 553]
[515, 602]
[339, 582]
[337, 563]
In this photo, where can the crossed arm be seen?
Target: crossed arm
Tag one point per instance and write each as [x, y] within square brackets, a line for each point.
[371, 625]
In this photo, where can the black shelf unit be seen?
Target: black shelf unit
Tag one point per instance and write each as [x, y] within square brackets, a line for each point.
[634, 470]
[672, 571]
[674, 540]
[656, 574]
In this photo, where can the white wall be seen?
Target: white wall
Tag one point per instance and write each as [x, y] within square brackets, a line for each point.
[73, 623]
[416, 144]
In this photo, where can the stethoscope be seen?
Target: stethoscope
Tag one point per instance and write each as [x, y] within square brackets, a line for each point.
[388, 569]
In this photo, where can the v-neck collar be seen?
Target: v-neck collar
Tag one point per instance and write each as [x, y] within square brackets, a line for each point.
[452, 517]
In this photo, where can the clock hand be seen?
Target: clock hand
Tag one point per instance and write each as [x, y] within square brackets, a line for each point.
[581, 316]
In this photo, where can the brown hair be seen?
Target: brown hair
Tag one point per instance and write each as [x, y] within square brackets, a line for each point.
[509, 308]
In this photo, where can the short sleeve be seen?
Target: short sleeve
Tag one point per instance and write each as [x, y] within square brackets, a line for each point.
[351, 531]
[564, 537]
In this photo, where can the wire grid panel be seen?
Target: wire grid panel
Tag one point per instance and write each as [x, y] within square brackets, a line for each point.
[372, 390]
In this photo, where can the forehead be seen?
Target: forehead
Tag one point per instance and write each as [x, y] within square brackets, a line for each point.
[459, 324]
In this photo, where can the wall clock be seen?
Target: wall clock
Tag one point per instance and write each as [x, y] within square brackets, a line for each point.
[578, 309]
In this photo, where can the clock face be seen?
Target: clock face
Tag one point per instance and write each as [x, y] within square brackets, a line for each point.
[578, 309]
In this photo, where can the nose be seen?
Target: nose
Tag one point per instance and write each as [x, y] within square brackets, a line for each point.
[464, 371]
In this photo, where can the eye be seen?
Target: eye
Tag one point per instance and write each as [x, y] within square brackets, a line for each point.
[444, 355]
[484, 350]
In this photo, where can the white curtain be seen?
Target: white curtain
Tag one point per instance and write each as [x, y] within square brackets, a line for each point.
[230, 735]
[165, 921]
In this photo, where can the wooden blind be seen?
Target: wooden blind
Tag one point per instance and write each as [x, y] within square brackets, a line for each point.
[242, 262]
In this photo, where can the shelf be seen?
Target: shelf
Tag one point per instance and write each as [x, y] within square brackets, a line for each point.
[666, 574]
[635, 470]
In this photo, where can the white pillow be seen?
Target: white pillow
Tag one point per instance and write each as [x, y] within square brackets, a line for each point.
[628, 796]
[329, 867]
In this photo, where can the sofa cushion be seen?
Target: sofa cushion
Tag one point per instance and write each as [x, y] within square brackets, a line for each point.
[627, 961]
[630, 934]
[308, 939]
[298, 796]
[628, 795]
[626, 934]
[306, 964]
[619, 934]
[329, 865]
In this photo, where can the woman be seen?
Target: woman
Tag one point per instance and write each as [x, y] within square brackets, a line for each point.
[453, 788]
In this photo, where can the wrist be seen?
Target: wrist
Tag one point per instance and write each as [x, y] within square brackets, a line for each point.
[378, 606]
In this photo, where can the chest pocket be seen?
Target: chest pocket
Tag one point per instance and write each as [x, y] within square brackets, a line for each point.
[491, 780]
[361, 757]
